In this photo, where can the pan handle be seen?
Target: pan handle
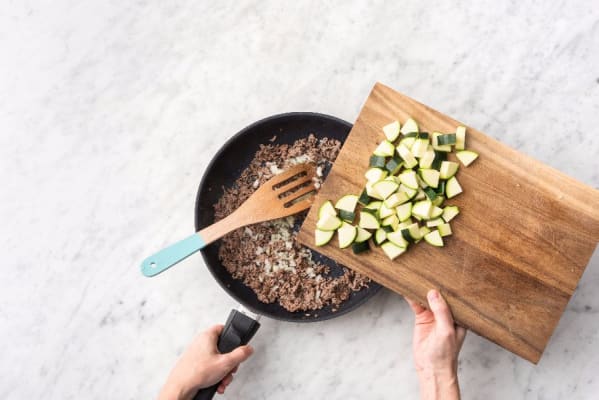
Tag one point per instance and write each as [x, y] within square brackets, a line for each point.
[167, 257]
[238, 331]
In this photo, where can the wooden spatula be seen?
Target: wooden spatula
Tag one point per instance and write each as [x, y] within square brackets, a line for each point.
[285, 194]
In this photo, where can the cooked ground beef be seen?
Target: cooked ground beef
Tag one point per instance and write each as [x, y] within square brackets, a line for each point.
[266, 256]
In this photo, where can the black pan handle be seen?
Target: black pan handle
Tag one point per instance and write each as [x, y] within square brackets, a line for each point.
[238, 331]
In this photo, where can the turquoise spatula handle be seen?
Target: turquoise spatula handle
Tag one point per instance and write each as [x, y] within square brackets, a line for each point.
[171, 255]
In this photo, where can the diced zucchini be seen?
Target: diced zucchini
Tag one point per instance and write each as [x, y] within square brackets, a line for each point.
[396, 199]
[440, 156]
[397, 239]
[394, 164]
[362, 235]
[387, 228]
[422, 209]
[405, 224]
[408, 191]
[377, 161]
[408, 178]
[322, 237]
[368, 221]
[326, 209]
[460, 138]
[437, 146]
[346, 234]
[364, 198]
[441, 188]
[348, 216]
[374, 205]
[411, 232]
[329, 223]
[446, 139]
[430, 176]
[404, 211]
[436, 212]
[408, 158]
[466, 157]
[385, 149]
[392, 251]
[420, 195]
[434, 238]
[424, 230]
[426, 161]
[444, 230]
[360, 247]
[375, 174]
[434, 222]
[448, 169]
[371, 192]
[408, 141]
[380, 236]
[391, 131]
[450, 213]
[385, 188]
[391, 221]
[409, 126]
[452, 188]
[347, 203]
[439, 200]
[419, 148]
[385, 211]
[430, 193]
[423, 135]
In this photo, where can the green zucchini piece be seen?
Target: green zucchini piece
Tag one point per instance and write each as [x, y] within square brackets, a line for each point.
[413, 231]
[439, 158]
[408, 191]
[363, 235]
[419, 148]
[371, 192]
[435, 222]
[326, 209]
[385, 211]
[374, 205]
[450, 213]
[424, 230]
[441, 188]
[385, 188]
[408, 178]
[410, 135]
[347, 203]
[448, 138]
[346, 234]
[322, 237]
[434, 238]
[452, 188]
[466, 157]
[364, 198]
[423, 135]
[406, 155]
[420, 195]
[387, 228]
[394, 164]
[422, 209]
[404, 211]
[409, 126]
[430, 176]
[391, 221]
[397, 239]
[392, 251]
[385, 149]
[460, 135]
[437, 146]
[348, 216]
[436, 212]
[377, 161]
[380, 236]
[329, 223]
[360, 247]
[368, 221]
[396, 199]
[438, 200]
[375, 174]
[448, 169]
[391, 131]
[426, 161]
[444, 230]
[430, 193]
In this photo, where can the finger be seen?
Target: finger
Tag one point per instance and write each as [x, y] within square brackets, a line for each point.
[235, 369]
[221, 389]
[227, 380]
[440, 309]
[416, 307]
[215, 330]
[237, 356]
[460, 333]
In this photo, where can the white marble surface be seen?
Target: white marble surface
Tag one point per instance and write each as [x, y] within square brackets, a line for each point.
[110, 111]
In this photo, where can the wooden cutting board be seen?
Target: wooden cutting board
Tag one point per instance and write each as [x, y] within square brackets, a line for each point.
[520, 244]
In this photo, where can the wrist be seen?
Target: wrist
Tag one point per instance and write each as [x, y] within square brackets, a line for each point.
[438, 384]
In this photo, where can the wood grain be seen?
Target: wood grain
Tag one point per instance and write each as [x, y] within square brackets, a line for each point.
[520, 244]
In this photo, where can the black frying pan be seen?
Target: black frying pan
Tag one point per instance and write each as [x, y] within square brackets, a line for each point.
[223, 170]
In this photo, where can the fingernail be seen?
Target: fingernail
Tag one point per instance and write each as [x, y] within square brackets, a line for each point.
[433, 295]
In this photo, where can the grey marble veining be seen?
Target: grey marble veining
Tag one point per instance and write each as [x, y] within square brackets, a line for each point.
[110, 111]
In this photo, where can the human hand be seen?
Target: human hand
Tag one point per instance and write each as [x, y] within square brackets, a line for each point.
[201, 366]
[436, 344]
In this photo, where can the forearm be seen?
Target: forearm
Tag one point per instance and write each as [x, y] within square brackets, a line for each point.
[439, 386]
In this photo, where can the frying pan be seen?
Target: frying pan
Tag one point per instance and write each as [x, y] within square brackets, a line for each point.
[226, 166]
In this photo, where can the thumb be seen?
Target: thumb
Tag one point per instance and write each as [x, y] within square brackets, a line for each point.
[237, 356]
[440, 309]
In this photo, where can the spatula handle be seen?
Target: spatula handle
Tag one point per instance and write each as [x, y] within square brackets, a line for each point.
[166, 258]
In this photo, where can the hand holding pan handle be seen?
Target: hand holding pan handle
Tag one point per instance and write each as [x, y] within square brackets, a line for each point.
[238, 331]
